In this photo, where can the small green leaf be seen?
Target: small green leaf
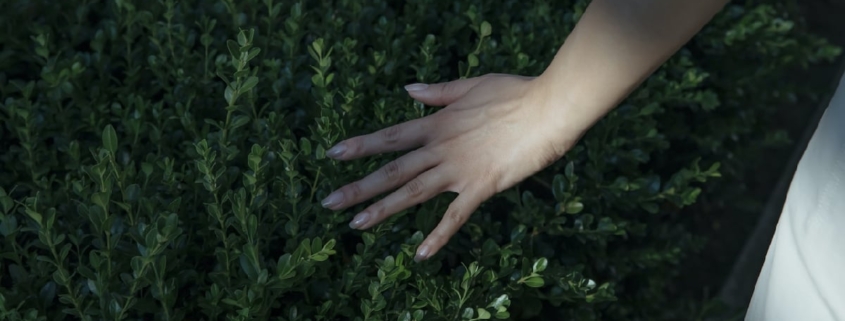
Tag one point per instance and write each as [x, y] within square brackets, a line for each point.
[486, 29]
[8, 225]
[248, 84]
[473, 60]
[253, 52]
[229, 94]
[93, 287]
[369, 239]
[540, 265]
[239, 121]
[321, 152]
[305, 146]
[574, 207]
[558, 187]
[133, 192]
[7, 203]
[534, 282]
[242, 38]
[405, 316]
[110, 139]
[34, 215]
[606, 225]
[483, 314]
[233, 48]
[468, 313]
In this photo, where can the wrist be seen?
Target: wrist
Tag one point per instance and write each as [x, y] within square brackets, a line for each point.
[572, 107]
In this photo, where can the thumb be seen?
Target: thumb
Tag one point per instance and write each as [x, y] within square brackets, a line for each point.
[442, 94]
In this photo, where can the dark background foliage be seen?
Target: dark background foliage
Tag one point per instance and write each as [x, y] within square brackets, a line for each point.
[164, 160]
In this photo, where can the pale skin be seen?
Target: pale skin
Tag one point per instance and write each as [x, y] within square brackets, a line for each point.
[497, 130]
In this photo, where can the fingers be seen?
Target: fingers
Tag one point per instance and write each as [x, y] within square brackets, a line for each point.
[408, 135]
[456, 215]
[388, 177]
[442, 94]
[418, 190]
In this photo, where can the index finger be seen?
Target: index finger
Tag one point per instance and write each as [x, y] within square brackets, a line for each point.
[410, 134]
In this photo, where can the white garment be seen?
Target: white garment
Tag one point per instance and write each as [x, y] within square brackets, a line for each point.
[803, 277]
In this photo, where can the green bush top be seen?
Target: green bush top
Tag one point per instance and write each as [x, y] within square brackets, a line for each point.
[164, 160]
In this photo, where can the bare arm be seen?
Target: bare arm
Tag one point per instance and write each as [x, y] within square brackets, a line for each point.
[615, 46]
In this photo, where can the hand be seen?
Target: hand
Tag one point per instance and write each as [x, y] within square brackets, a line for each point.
[496, 131]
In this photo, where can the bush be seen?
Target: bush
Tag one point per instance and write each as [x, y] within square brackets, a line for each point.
[164, 160]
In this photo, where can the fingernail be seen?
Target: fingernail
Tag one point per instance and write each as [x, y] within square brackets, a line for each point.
[332, 200]
[416, 87]
[336, 151]
[422, 254]
[359, 220]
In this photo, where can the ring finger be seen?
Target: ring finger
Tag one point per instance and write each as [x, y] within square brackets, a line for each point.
[418, 190]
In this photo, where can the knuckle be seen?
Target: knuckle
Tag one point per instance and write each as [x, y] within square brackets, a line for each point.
[414, 188]
[391, 134]
[445, 91]
[354, 190]
[392, 171]
[378, 212]
[455, 217]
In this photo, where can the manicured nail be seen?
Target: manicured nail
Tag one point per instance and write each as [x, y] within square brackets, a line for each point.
[416, 87]
[422, 254]
[332, 200]
[359, 220]
[336, 151]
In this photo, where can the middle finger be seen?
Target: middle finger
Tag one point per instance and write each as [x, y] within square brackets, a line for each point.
[388, 177]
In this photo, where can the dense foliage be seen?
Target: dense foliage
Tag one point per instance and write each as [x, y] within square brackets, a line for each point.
[165, 159]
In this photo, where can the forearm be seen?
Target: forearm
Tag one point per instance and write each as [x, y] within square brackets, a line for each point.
[614, 47]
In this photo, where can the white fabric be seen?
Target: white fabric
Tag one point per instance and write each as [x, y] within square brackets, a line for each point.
[803, 277]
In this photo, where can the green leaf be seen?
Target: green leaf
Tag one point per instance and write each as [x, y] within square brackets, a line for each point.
[473, 60]
[239, 121]
[650, 207]
[405, 316]
[468, 313]
[540, 265]
[483, 314]
[34, 215]
[559, 187]
[574, 207]
[8, 225]
[305, 146]
[321, 152]
[569, 171]
[229, 95]
[248, 84]
[133, 192]
[233, 48]
[253, 53]
[606, 225]
[369, 238]
[242, 38]
[486, 29]
[7, 203]
[534, 282]
[110, 139]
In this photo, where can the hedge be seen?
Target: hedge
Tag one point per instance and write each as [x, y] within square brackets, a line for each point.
[164, 160]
